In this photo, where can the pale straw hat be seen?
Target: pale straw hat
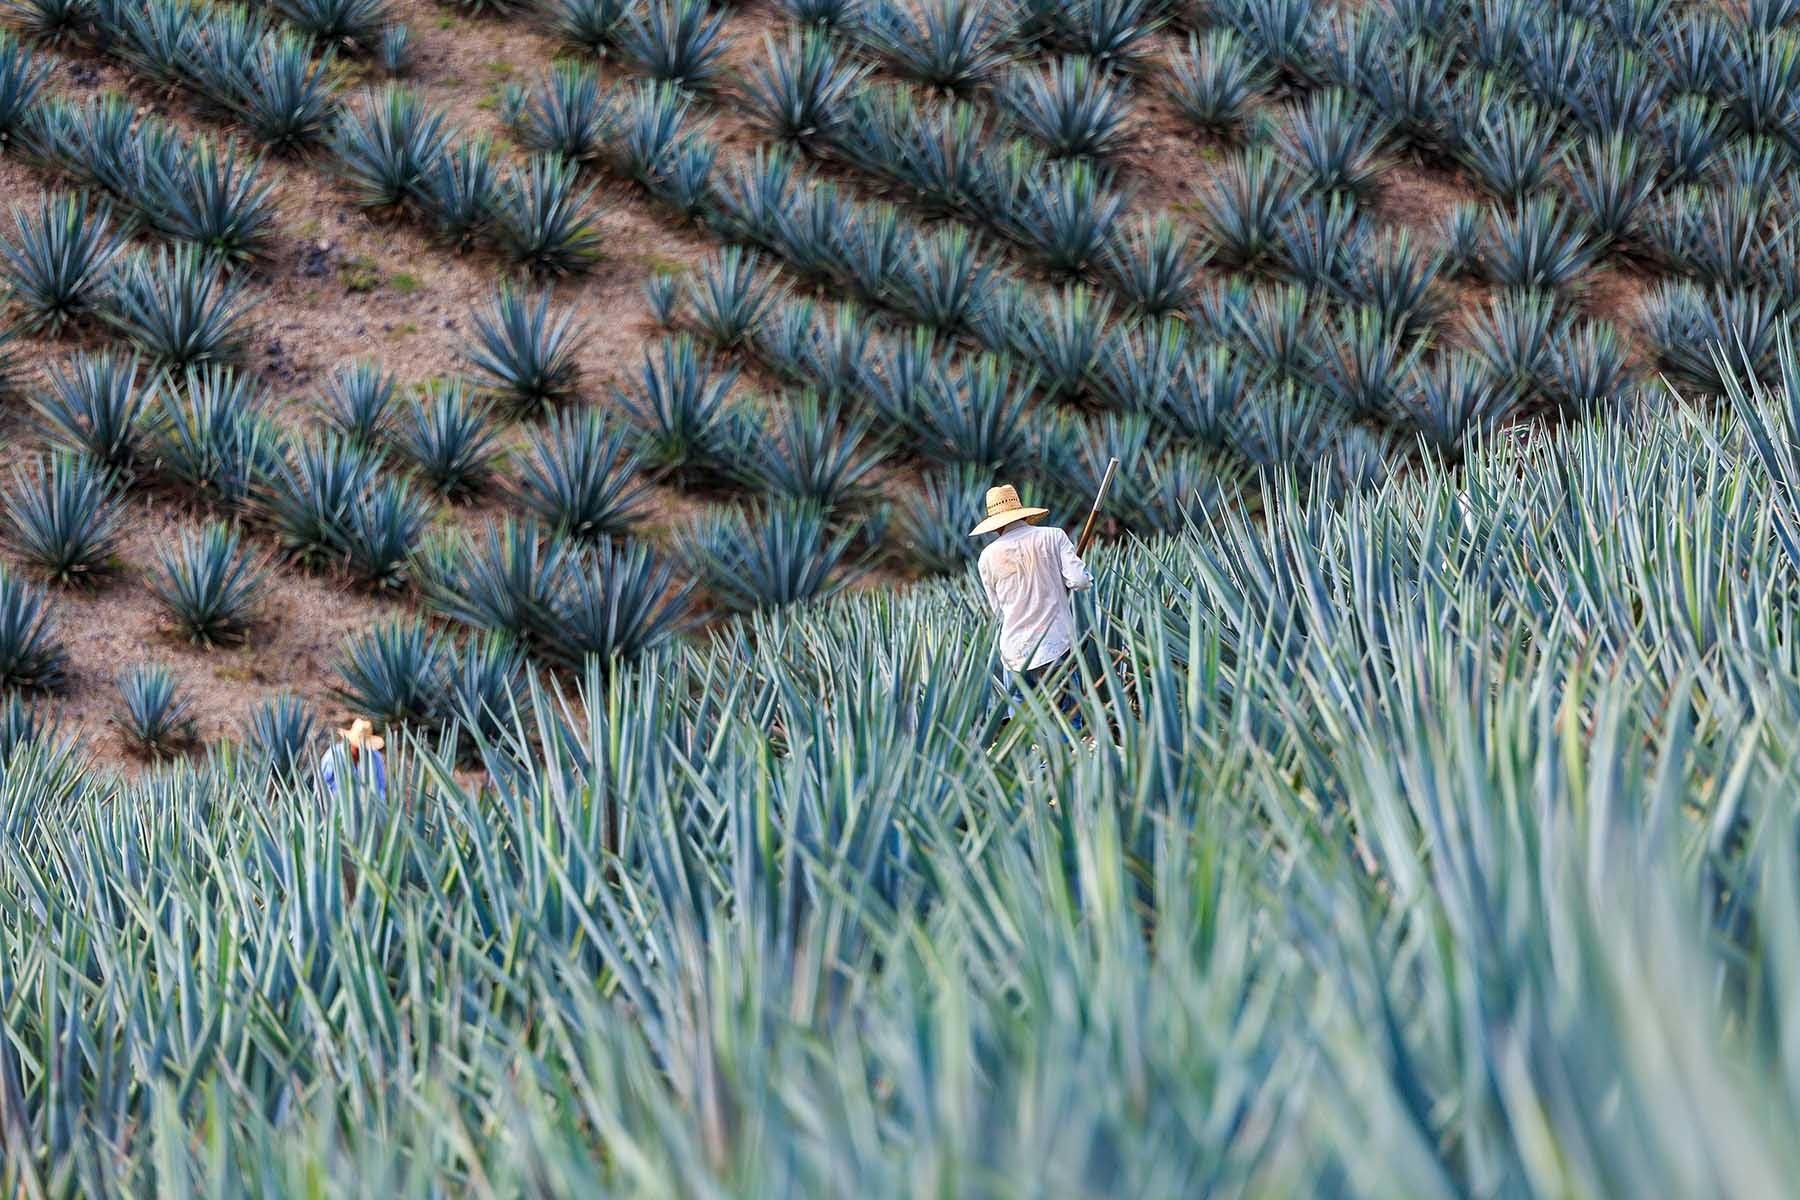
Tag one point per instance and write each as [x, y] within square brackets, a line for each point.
[361, 735]
[1003, 508]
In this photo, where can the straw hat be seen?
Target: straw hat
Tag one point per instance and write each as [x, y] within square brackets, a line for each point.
[1003, 508]
[361, 735]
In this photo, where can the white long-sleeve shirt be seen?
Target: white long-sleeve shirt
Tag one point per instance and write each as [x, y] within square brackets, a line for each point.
[1028, 572]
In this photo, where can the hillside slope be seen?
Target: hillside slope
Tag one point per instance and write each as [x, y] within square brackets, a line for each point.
[790, 285]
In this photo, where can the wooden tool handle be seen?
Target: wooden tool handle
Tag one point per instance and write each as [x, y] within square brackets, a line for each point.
[1087, 531]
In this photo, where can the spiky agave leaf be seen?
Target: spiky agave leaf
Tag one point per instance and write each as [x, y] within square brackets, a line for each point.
[179, 306]
[65, 517]
[32, 656]
[813, 237]
[950, 157]
[283, 731]
[1070, 107]
[486, 678]
[662, 296]
[462, 190]
[447, 437]
[358, 399]
[974, 416]
[1586, 366]
[1065, 215]
[956, 45]
[620, 602]
[1613, 179]
[580, 477]
[506, 580]
[215, 199]
[566, 114]
[754, 199]
[1620, 98]
[357, 24]
[49, 21]
[1283, 331]
[1762, 77]
[1689, 135]
[1369, 364]
[1064, 341]
[1452, 397]
[93, 404]
[1284, 424]
[591, 25]
[1717, 237]
[1283, 33]
[1396, 277]
[213, 434]
[1138, 364]
[830, 357]
[1187, 487]
[1692, 51]
[1690, 326]
[682, 412]
[814, 451]
[1408, 83]
[1334, 142]
[1244, 211]
[1760, 167]
[946, 280]
[652, 126]
[307, 495]
[798, 91]
[1512, 335]
[395, 673]
[1109, 32]
[1323, 240]
[933, 523]
[543, 219]
[775, 554]
[1213, 81]
[386, 147]
[56, 265]
[843, 17]
[1070, 456]
[211, 583]
[525, 351]
[394, 53]
[381, 532]
[26, 724]
[1152, 266]
[1556, 58]
[1540, 246]
[152, 711]
[1513, 149]
[284, 92]
[1463, 229]
[680, 41]
[731, 293]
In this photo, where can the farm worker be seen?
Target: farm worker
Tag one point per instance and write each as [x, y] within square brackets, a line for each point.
[1028, 573]
[359, 751]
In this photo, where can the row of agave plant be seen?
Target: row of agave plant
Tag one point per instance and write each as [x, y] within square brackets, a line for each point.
[276, 83]
[790, 913]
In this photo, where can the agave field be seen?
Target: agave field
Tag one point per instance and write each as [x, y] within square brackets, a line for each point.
[359, 345]
[596, 394]
[1437, 840]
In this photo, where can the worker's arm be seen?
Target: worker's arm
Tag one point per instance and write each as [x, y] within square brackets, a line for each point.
[1074, 571]
[987, 586]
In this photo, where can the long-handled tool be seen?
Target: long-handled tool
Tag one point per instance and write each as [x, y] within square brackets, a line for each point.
[1087, 531]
